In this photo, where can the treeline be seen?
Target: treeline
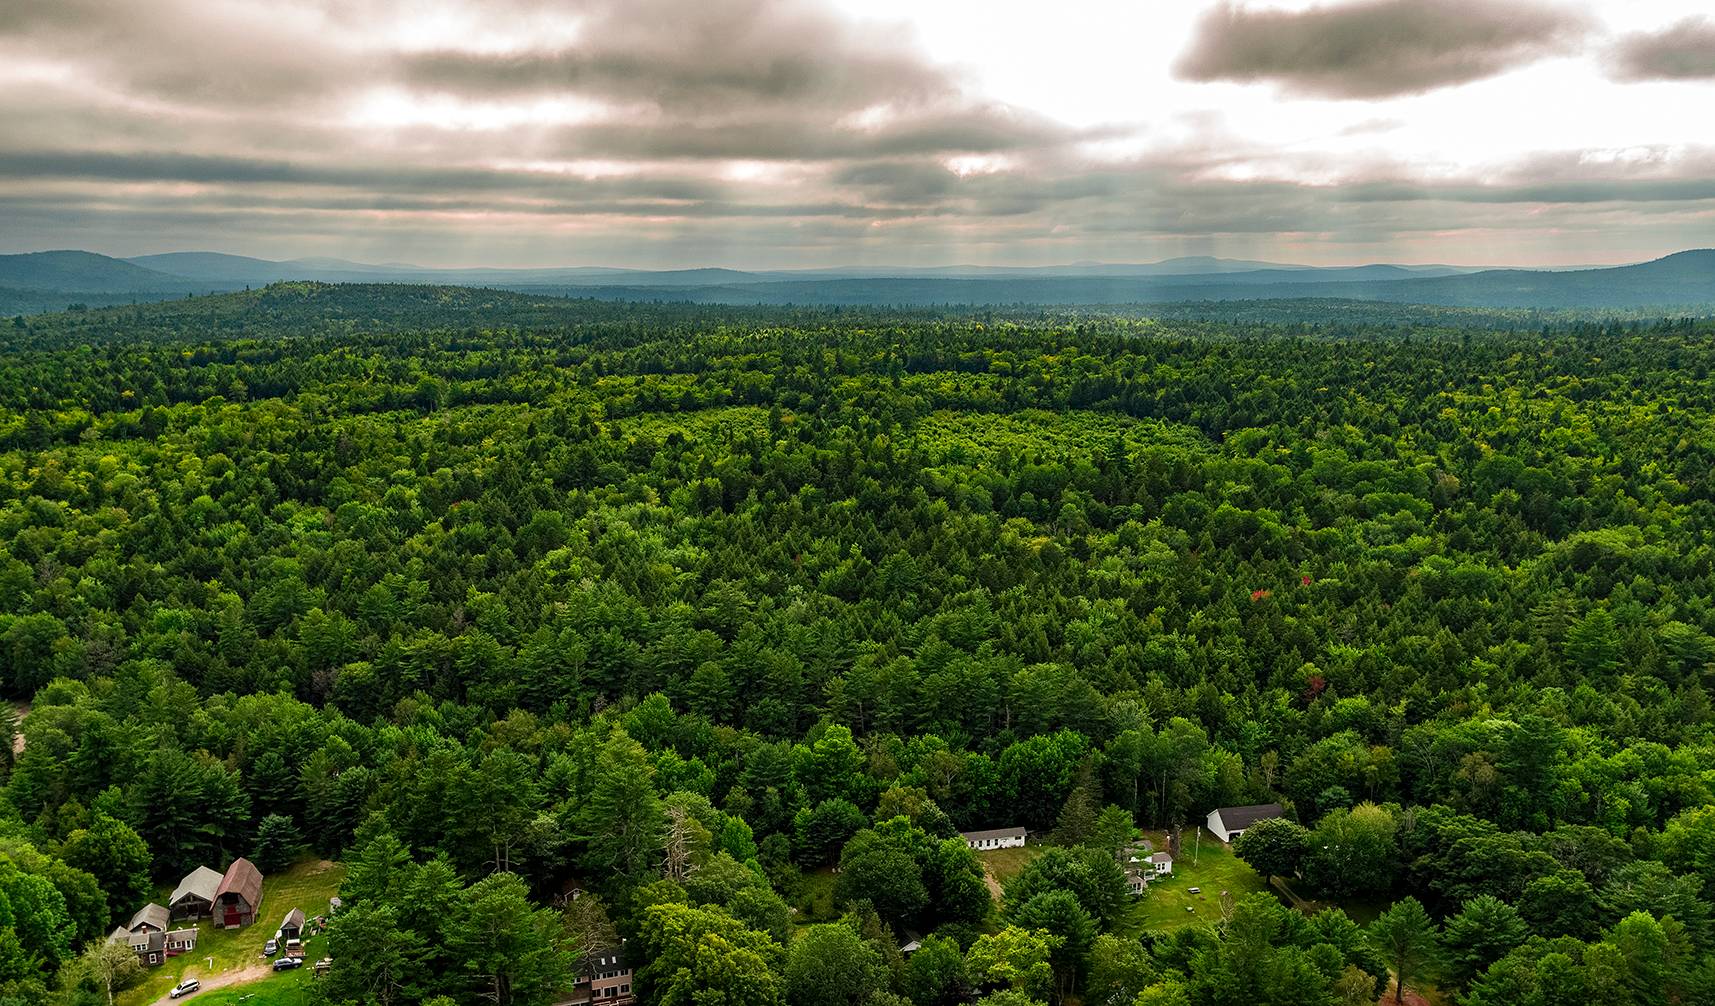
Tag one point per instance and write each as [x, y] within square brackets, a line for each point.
[680, 608]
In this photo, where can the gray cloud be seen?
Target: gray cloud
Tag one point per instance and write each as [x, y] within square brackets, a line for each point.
[1683, 51]
[1376, 48]
[714, 56]
[286, 127]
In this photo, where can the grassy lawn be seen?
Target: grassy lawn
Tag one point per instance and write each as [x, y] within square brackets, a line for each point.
[1006, 864]
[308, 885]
[815, 897]
[290, 988]
[1216, 869]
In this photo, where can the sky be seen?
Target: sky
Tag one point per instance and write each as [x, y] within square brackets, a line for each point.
[805, 133]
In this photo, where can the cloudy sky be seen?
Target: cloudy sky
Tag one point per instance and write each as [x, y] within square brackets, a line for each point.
[780, 133]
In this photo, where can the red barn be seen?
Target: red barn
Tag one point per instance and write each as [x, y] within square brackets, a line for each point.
[239, 896]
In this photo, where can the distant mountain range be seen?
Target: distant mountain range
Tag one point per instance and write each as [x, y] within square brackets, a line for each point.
[42, 281]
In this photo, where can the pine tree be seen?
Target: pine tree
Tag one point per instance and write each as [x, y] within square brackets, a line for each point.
[621, 823]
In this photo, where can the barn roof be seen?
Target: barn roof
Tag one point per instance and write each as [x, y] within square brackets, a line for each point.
[1240, 818]
[201, 882]
[295, 917]
[243, 879]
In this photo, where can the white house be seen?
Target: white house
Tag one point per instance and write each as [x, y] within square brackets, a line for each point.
[1161, 863]
[1228, 823]
[995, 838]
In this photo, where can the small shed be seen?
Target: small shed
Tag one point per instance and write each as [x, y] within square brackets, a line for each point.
[194, 897]
[994, 838]
[240, 895]
[1228, 823]
[292, 928]
[1161, 863]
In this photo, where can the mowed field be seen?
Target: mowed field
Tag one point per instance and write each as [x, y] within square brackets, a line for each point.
[1211, 868]
[307, 885]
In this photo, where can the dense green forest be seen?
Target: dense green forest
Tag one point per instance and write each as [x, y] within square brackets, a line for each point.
[494, 598]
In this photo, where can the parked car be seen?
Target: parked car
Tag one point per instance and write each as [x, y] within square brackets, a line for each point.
[184, 988]
[288, 963]
[271, 948]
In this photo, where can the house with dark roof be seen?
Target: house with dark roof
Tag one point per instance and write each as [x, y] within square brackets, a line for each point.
[605, 979]
[149, 946]
[194, 897]
[1161, 863]
[1228, 823]
[239, 896]
[994, 838]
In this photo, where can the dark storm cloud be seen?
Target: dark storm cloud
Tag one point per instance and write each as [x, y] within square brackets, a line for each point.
[710, 56]
[158, 167]
[757, 79]
[1376, 48]
[1684, 51]
[985, 130]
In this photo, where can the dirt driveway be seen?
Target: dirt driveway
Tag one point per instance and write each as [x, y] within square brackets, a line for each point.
[253, 973]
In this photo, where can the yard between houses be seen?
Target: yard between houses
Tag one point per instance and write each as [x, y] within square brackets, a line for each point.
[307, 885]
[1211, 867]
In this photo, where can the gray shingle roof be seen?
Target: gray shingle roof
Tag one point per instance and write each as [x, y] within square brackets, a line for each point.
[974, 836]
[1240, 818]
[149, 915]
[201, 882]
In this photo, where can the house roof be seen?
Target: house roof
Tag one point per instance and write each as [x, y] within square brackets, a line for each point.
[243, 879]
[201, 882]
[177, 935]
[149, 915]
[295, 917]
[120, 933]
[975, 836]
[157, 942]
[617, 956]
[1161, 857]
[1240, 818]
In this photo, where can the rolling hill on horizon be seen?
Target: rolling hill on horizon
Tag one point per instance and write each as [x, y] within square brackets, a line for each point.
[44, 281]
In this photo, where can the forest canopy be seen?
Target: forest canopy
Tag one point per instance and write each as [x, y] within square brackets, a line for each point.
[730, 620]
